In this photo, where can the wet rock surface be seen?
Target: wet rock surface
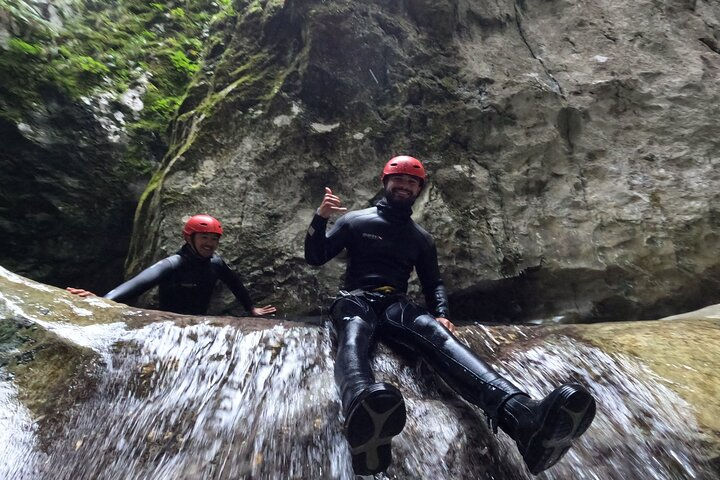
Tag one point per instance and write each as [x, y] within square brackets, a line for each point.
[571, 147]
[173, 396]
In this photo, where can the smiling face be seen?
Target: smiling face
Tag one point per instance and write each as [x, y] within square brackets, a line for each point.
[402, 190]
[205, 244]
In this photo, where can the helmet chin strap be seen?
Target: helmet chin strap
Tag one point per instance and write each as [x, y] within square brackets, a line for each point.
[190, 240]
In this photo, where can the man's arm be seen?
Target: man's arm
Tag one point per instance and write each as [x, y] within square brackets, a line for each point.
[234, 283]
[142, 282]
[432, 285]
[319, 247]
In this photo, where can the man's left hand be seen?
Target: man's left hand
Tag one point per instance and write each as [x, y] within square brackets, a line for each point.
[80, 292]
[266, 310]
[446, 323]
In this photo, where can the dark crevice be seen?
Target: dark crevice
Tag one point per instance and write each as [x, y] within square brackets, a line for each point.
[518, 22]
[610, 37]
[570, 124]
[711, 44]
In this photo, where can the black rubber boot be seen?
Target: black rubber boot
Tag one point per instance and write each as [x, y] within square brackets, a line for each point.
[375, 416]
[544, 430]
[374, 412]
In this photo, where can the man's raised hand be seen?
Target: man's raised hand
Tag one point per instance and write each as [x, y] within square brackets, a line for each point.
[331, 204]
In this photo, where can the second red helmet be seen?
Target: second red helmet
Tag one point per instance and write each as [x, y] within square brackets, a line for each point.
[202, 224]
[404, 165]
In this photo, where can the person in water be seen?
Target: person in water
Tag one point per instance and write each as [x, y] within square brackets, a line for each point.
[383, 246]
[187, 279]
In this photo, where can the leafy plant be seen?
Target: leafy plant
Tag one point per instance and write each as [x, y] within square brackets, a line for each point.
[107, 47]
[177, 13]
[89, 65]
[21, 46]
[182, 63]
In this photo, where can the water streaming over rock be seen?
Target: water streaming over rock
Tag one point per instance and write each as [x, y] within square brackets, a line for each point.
[642, 430]
[214, 402]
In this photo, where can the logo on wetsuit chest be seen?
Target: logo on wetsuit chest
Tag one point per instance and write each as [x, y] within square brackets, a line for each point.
[372, 236]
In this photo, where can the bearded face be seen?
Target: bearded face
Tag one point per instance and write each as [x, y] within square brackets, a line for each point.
[402, 190]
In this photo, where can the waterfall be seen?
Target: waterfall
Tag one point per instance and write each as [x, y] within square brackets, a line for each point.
[642, 430]
[216, 402]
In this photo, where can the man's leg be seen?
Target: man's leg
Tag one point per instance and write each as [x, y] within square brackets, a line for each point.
[374, 412]
[543, 430]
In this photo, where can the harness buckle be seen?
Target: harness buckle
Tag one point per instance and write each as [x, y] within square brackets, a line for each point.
[385, 290]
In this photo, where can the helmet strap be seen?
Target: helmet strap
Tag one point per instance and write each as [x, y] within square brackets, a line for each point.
[190, 240]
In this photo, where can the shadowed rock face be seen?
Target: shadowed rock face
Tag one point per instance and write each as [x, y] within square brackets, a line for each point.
[571, 148]
[86, 92]
[63, 206]
[100, 390]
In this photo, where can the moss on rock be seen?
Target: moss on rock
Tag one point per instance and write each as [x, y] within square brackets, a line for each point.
[107, 48]
[87, 90]
[52, 375]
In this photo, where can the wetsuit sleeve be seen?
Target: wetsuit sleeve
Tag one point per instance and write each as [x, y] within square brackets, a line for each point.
[142, 282]
[234, 283]
[319, 247]
[433, 288]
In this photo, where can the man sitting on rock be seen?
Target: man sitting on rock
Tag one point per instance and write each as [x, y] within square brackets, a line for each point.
[383, 246]
[187, 279]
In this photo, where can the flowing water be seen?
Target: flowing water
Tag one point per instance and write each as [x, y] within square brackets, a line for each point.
[208, 402]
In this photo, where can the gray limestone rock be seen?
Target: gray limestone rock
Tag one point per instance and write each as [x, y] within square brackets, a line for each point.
[571, 147]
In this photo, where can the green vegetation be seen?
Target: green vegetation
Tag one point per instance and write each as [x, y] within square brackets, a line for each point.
[182, 63]
[107, 47]
[23, 47]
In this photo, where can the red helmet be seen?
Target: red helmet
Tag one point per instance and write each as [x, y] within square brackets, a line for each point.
[404, 165]
[202, 224]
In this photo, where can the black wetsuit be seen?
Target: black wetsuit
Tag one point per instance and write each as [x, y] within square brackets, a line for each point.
[186, 282]
[384, 244]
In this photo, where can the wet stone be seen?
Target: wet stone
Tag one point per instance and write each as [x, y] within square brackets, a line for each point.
[155, 395]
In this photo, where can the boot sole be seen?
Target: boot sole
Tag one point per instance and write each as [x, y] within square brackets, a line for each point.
[568, 417]
[370, 427]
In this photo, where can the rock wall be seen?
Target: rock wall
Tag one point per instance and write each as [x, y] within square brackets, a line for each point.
[571, 148]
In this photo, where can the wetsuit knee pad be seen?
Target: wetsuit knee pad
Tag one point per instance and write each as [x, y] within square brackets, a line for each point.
[408, 322]
[404, 312]
[351, 306]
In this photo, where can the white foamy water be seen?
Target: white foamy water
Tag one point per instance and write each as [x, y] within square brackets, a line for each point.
[642, 430]
[208, 402]
[17, 432]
